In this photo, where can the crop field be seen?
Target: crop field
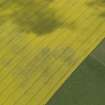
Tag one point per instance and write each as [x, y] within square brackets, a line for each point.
[42, 42]
[86, 84]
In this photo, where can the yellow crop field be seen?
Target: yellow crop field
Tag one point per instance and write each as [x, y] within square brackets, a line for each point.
[42, 42]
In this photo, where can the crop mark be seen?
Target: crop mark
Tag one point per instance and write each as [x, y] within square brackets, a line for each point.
[44, 64]
[37, 16]
[98, 5]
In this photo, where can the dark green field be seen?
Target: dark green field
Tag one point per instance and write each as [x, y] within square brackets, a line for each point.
[86, 86]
